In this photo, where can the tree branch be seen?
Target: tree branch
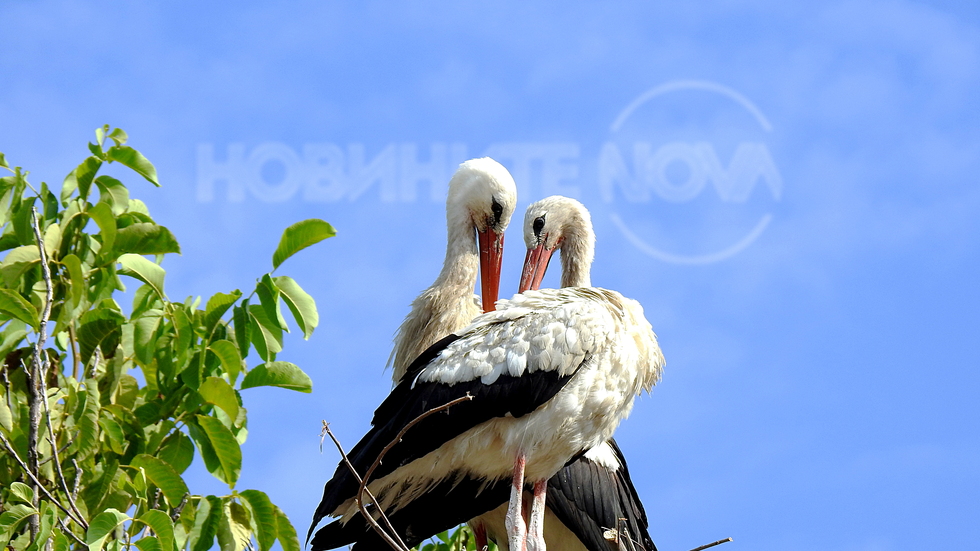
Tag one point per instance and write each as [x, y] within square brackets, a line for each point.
[42, 367]
[712, 544]
[397, 545]
[37, 483]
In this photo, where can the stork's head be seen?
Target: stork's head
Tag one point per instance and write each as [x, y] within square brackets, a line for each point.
[482, 193]
[553, 223]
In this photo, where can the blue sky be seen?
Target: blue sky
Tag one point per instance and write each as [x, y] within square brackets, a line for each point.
[822, 379]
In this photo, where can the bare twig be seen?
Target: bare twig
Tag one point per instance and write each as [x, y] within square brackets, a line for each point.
[175, 514]
[64, 528]
[397, 545]
[712, 544]
[377, 461]
[78, 480]
[63, 448]
[401, 434]
[41, 368]
[13, 453]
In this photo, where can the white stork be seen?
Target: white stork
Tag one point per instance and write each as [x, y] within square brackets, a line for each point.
[591, 503]
[543, 359]
[481, 199]
[551, 374]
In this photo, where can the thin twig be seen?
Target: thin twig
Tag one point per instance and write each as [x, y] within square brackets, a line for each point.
[78, 479]
[38, 346]
[13, 453]
[393, 443]
[712, 544]
[175, 514]
[360, 505]
[401, 434]
[65, 529]
[63, 448]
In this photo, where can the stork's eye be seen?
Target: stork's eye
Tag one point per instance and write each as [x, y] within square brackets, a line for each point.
[498, 210]
[538, 225]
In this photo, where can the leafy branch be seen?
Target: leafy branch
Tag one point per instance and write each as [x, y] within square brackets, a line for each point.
[104, 469]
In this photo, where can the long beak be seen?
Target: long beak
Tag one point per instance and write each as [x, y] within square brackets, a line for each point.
[535, 265]
[491, 255]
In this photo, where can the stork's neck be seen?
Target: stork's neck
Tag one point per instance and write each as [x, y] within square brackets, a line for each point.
[462, 262]
[577, 249]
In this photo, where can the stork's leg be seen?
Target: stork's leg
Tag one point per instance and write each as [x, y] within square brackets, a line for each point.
[516, 529]
[480, 535]
[535, 530]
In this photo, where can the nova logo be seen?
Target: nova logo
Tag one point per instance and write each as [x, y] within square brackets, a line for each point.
[683, 165]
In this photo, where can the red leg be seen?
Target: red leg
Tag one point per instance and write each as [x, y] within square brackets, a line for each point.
[535, 531]
[516, 528]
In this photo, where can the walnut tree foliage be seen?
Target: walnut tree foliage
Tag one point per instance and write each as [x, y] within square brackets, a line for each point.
[103, 406]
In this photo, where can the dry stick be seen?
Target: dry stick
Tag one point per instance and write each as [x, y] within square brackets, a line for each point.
[42, 336]
[360, 505]
[397, 439]
[712, 544]
[13, 453]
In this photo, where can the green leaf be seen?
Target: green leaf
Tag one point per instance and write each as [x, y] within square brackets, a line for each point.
[96, 150]
[17, 262]
[119, 136]
[23, 492]
[299, 236]
[281, 374]
[164, 476]
[178, 451]
[99, 327]
[229, 357]
[233, 532]
[269, 299]
[3, 162]
[287, 533]
[162, 526]
[12, 303]
[80, 179]
[87, 420]
[134, 265]
[145, 335]
[11, 519]
[218, 392]
[243, 333]
[266, 335]
[102, 526]
[263, 517]
[206, 524]
[114, 434]
[23, 224]
[217, 306]
[114, 193]
[300, 304]
[134, 160]
[102, 214]
[148, 543]
[146, 238]
[78, 287]
[225, 447]
[46, 524]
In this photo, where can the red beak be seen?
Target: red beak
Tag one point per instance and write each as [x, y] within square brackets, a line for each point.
[491, 255]
[535, 265]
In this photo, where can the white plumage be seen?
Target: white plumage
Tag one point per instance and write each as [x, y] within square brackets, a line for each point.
[481, 200]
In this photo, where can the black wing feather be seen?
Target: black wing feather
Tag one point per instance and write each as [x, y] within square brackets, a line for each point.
[589, 499]
[449, 504]
[516, 396]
